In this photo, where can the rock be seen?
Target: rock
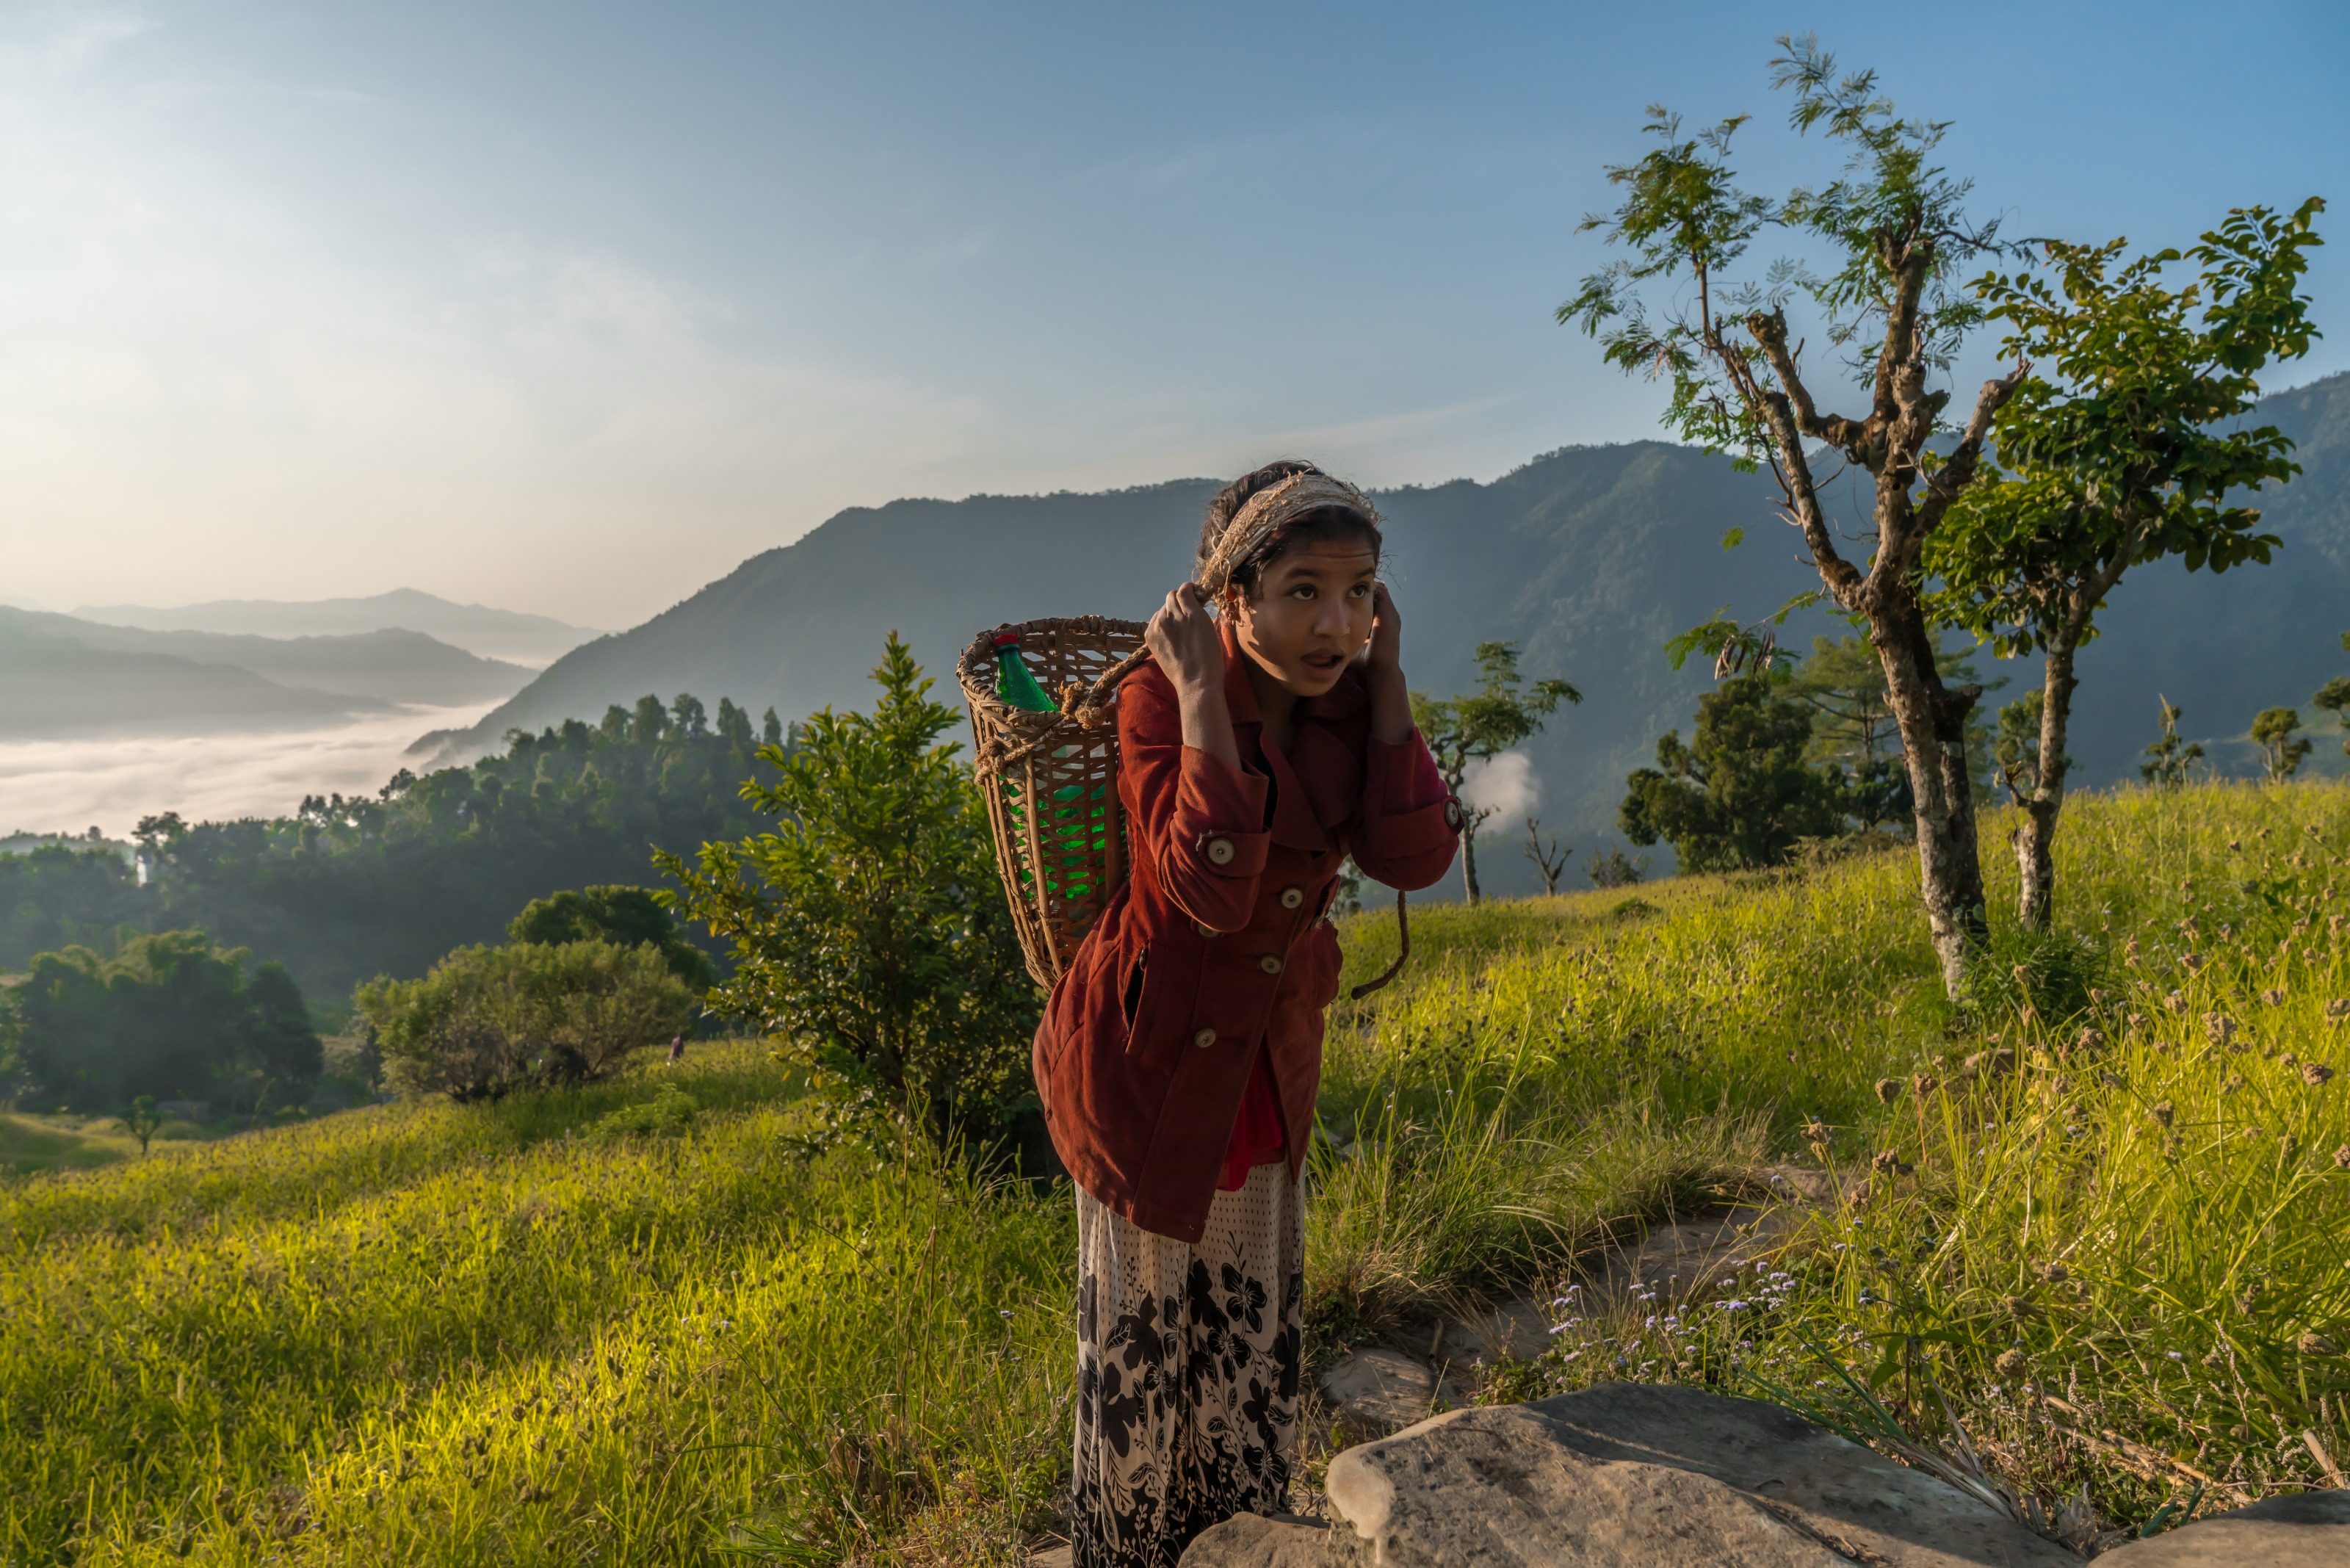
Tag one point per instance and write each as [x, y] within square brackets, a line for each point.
[1380, 1390]
[2304, 1529]
[1516, 1330]
[1254, 1541]
[1051, 1557]
[1636, 1473]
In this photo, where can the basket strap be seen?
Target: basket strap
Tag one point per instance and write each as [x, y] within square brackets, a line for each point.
[1403, 952]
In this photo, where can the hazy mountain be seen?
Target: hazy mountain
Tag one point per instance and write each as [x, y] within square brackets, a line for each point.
[405, 667]
[530, 639]
[53, 686]
[1589, 558]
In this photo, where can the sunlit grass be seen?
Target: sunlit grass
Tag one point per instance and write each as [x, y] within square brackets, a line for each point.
[475, 1334]
[520, 1332]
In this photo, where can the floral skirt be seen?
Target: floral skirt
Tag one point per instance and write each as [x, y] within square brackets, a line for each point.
[1188, 1360]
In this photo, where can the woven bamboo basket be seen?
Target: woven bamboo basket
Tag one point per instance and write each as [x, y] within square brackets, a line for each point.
[1050, 780]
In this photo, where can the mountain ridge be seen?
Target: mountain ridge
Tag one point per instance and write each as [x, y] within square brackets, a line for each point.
[482, 630]
[1589, 558]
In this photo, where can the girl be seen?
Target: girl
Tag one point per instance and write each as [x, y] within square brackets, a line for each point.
[1180, 1054]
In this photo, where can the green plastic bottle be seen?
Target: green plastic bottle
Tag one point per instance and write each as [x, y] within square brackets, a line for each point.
[1015, 687]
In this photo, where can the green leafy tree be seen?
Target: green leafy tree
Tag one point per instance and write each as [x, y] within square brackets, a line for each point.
[2334, 698]
[2117, 452]
[1739, 795]
[2169, 759]
[169, 1015]
[625, 917]
[1896, 235]
[2016, 752]
[869, 926]
[1480, 725]
[487, 1020]
[142, 1121]
[2276, 731]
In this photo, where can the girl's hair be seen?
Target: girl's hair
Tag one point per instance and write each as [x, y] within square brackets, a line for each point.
[1325, 523]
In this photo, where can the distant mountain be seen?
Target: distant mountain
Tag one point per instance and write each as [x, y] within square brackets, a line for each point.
[53, 686]
[530, 639]
[1589, 558]
[405, 667]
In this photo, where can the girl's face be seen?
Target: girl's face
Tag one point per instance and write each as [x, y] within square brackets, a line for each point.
[1311, 613]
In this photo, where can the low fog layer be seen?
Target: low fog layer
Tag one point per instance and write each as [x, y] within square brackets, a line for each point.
[111, 783]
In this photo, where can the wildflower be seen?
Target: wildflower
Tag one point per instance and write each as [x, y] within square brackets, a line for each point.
[2219, 1028]
[2342, 1156]
[2091, 1040]
[2161, 1111]
[1735, 1305]
[2314, 1074]
[1888, 1089]
[2009, 1363]
[2339, 1008]
[2110, 1080]
[1003, 1311]
[2054, 1273]
[2175, 1002]
[1922, 1084]
[1651, 1323]
[2174, 1355]
[2233, 1082]
[1557, 1328]
[2273, 996]
[2316, 1343]
[2193, 962]
[2020, 1308]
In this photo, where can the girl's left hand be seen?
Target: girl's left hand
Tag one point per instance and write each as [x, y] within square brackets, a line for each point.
[1385, 651]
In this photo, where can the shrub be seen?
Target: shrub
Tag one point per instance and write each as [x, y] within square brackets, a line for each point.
[489, 1019]
[629, 917]
[870, 927]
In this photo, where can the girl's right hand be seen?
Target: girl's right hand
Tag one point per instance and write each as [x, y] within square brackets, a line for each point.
[1185, 641]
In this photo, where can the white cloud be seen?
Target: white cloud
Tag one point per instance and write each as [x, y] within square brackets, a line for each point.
[1506, 786]
[67, 785]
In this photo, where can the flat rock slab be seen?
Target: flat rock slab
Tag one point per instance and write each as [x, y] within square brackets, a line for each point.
[1380, 1390]
[1252, 1540]
[2307, 1530]
[1637, 1473]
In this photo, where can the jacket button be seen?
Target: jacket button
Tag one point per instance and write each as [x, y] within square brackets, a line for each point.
[1220, 852]
[1452, 813]
[1204, 1038]
[1207, 932]
[1270, 963]
[1290, 898]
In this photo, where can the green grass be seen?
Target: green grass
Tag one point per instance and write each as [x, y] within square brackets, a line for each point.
[2149, 1222]
[643, 1324]
[498, 1334]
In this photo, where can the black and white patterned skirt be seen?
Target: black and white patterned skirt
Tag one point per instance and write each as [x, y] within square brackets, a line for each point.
[1188, 1360]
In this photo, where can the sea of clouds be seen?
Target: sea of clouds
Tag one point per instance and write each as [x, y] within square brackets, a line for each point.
[110, 782]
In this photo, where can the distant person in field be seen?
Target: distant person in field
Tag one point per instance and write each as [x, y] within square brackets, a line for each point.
[1269, 738]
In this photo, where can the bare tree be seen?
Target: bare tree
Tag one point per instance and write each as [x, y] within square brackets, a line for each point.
[1549, 859]
[1895, 230]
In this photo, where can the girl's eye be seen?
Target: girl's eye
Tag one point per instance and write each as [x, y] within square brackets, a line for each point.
[1302, 591]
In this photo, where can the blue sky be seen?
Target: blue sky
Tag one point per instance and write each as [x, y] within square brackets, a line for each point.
[571, 308]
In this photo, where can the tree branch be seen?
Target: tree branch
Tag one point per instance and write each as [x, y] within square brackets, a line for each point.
[1942, 487]
[1771, 332]
[1836, 574]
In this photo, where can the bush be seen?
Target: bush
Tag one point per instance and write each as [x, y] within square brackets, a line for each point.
[869, 928]
[488, 1020]
[628, 917]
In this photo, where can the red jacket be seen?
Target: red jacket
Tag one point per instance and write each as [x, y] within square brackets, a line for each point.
[1216, 947]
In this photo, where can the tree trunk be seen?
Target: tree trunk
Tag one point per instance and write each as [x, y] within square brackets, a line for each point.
[2036, 834]
[1469, 861]
[1933, 723]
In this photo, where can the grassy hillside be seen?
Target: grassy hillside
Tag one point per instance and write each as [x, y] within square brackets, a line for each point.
[525, 1332]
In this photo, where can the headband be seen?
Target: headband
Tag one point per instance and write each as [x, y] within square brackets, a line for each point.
[1267, 510]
